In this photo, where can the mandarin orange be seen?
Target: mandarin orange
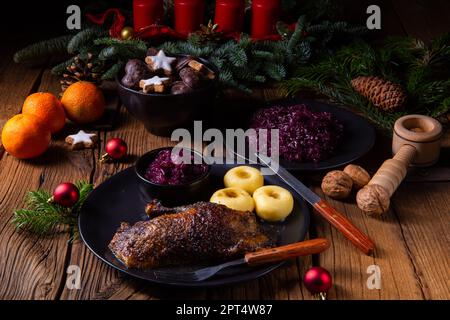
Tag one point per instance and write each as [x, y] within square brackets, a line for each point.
[25, 136]
[48, 108]
[83, 102]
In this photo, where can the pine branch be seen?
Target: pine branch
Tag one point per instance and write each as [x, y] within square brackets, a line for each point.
[84, 38]
[43, 52]
[138, 45]
[113, 71]
[245, 63]
[43, 218]
[62, 67]
[85, 189]
[296, 36]
[428, 90]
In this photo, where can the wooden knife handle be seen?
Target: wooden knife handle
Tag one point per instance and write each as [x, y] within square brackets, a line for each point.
[286, 252]
[344, 225]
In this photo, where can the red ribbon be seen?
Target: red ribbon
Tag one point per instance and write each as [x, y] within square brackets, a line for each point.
[118, 20]
[158, 31]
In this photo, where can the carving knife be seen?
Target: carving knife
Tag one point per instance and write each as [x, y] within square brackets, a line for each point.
[336, 219]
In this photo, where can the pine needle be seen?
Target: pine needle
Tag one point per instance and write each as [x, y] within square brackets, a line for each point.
[42, 52]
[245, 63]
[409, 62]
[43, 218]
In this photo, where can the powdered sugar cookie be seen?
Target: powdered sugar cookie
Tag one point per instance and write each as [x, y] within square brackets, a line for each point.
[82, 140]
[160, 62]
[154, 84]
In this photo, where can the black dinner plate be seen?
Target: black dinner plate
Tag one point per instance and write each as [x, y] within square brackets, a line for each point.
[117, 200]
[357, 140]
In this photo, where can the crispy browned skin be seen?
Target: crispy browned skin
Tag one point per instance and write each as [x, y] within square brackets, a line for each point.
[186, 235]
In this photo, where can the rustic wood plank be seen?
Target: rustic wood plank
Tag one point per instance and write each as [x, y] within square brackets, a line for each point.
[16, 82]
[33, 267]
[423, 211]
[349, 267]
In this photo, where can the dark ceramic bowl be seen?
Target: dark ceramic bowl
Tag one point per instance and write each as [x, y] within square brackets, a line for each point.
[162, 113]
[170, 195]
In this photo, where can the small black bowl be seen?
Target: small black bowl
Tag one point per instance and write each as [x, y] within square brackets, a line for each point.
[170, 195]
[162, 113]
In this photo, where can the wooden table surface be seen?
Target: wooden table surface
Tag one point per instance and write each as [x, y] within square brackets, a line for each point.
[412, 239]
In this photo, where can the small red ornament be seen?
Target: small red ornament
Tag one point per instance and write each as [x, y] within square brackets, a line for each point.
[66, 194]
[318, 281]
[115, 148]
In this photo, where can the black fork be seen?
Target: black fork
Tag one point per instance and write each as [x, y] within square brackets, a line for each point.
[254, 258]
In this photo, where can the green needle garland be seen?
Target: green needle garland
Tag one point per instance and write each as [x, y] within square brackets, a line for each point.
[43, 217]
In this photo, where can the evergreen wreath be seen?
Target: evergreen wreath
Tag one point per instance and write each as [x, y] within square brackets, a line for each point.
[242, 64]
[245, 63]
[422, 71]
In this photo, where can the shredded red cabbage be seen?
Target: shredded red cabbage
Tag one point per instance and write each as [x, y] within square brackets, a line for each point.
[304, 135]
[167, 170]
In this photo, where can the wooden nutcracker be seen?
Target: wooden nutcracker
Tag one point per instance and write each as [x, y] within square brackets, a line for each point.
[416, 141]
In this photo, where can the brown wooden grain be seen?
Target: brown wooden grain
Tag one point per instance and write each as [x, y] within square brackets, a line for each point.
[412, 239]
[33, 267]
[422, 212]
[349, 267]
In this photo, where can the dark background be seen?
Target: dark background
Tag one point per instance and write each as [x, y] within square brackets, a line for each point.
[24, 21]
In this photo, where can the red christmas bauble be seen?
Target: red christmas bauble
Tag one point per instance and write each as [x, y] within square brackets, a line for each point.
[66, 194]
[116, 148]
[317, 280]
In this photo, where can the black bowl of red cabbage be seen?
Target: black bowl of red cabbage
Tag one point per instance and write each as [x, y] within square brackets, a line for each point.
[163, 175]
[304, 135]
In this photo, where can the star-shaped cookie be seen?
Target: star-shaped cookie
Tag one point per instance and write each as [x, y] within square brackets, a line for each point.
[154, 84]
[160, 62]
[82, 140]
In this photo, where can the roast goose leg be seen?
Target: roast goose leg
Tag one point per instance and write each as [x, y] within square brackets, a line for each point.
[187, 235]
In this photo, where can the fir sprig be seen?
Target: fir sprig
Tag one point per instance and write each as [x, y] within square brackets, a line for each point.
[243, 64]
[43, 217]
[43, 52]
[409, 62]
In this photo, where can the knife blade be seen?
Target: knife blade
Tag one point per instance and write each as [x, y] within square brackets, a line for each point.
[336, 219]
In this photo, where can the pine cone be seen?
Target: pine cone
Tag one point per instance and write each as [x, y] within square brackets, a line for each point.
[385, 95]
[83, 68]
[209, 33]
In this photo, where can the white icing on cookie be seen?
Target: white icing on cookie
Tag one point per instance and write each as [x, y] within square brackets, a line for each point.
[82, 137]
[161, 61]
[154, 81]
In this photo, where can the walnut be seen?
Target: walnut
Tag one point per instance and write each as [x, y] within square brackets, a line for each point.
[373, 199]
[337, 184]
[358, 174]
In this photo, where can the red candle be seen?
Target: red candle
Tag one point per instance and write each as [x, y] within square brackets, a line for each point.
[188, 15]
[147, 12]
[265, 15]
[230, 15]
